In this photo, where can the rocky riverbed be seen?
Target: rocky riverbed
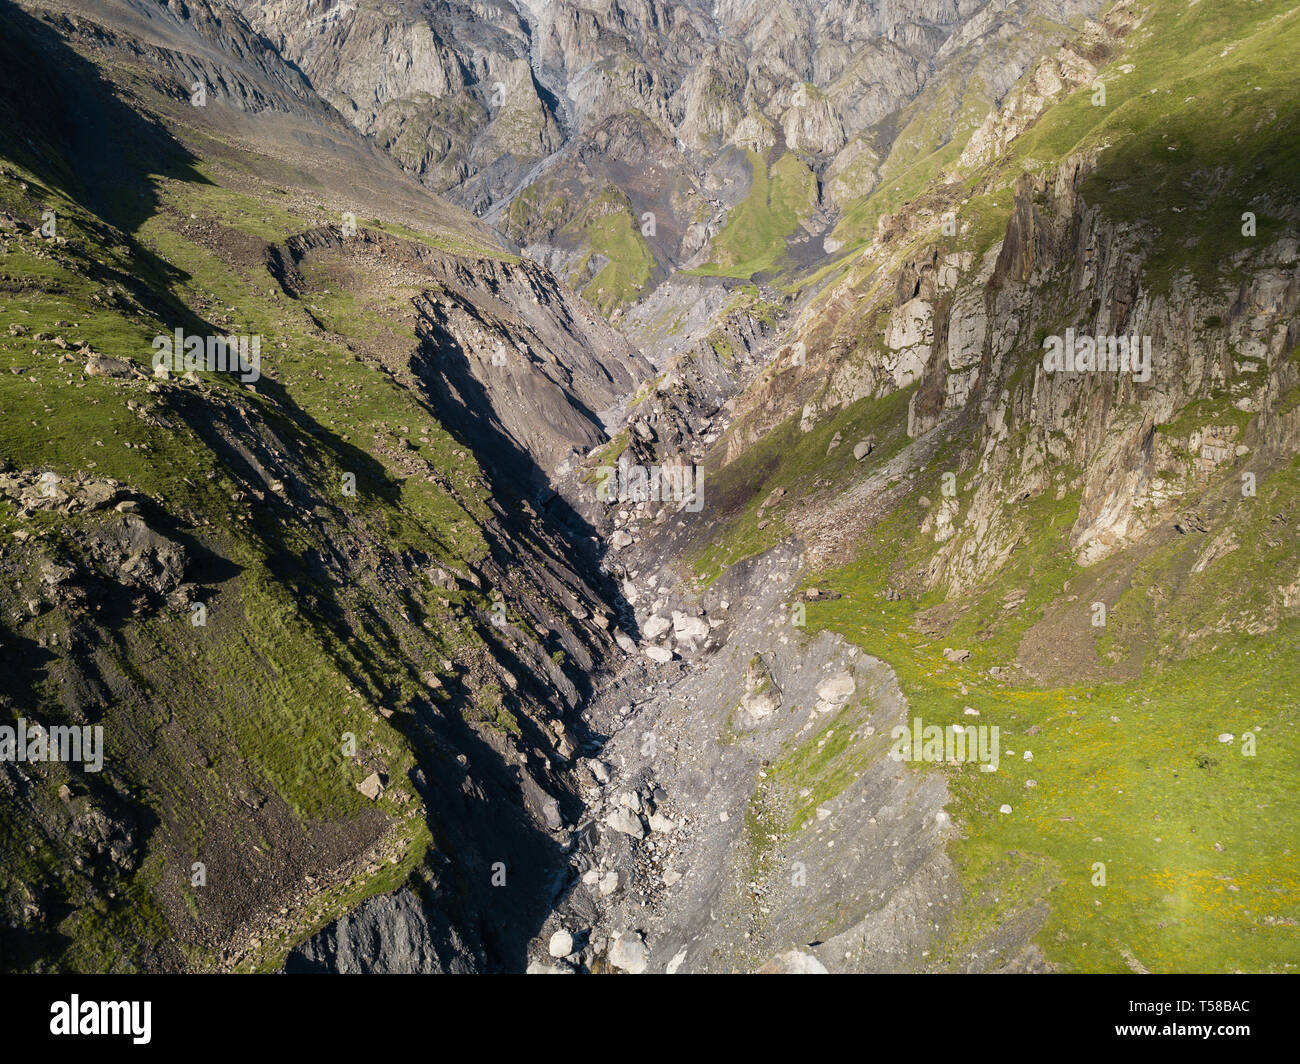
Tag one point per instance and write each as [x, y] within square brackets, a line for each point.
[711, 839]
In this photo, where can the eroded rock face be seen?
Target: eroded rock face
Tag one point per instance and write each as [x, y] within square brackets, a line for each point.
[528, 111]
[446, 87]
[967, 331]
[389, 934]
[507, 353]
[1131, 474]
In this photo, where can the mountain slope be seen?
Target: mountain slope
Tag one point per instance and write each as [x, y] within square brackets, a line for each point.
[1101, 566]
[266, 588]
[618, 140]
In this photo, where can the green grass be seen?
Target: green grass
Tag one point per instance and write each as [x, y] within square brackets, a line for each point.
[933, 131]
[609, 228]
[825, 763]
[794, 460]
[451, 245]
[1197, 840]
[754, 238]
[1199, 127]
[1148, 794]
[1200, 130]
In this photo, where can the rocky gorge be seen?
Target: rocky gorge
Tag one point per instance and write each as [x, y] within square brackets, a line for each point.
[655, 419]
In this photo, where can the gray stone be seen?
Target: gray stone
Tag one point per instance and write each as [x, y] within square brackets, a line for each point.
[660, 823]
[561, 944]
[837, 690]
[372, 786]
[655, 626]
[687, 628]
[794, 962]
[627, 822]
[629, 953]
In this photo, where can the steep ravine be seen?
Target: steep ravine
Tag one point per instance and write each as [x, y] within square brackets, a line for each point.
[624, 736]
[735, 807]
[690, 774]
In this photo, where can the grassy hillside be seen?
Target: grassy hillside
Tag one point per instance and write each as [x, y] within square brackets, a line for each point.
[610, 229]
[273, 597]
[753, 240]
[1129, 750]
[1194, 832]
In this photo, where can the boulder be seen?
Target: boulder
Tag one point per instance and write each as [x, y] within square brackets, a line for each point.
[794, 962]
[661, 824]
[103, 366]
[627, 822]
[762, 697]
[655, 627]
[629, 953]
[561, 944]
[835, 692]
[689, 629]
